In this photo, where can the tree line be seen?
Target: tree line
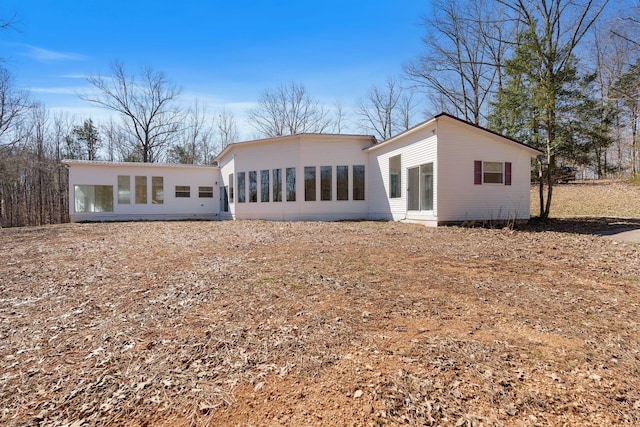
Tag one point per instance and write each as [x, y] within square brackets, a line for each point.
[560, 75]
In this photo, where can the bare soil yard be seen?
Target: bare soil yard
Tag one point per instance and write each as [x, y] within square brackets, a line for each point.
[354, 324]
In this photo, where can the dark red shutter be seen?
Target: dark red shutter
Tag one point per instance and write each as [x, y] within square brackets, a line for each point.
[507, 173]
[477, 172]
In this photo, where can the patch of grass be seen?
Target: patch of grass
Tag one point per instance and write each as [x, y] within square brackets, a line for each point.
[264, 281]
[634, 179]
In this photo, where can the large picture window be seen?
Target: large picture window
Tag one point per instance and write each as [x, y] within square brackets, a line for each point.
[277, 185]
[141, 190]
[342, 182]
[358, 182]
[264, 185]
[157, 190]
[325, 182]
[241, 188]
[124, 189]
[395, 174]
[291, 184]
[93, 198]
[253, 186]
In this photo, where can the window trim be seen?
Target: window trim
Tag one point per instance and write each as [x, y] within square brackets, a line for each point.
[361, 172]
[326, 183]
[420, 171]
[395, 188]
[480, 173]
[142, 191]
[310, 181]
[124, 190]
[342, 185]
[290, 184]
[205, 192]
[276, 175]
[253, 186]
[242, 187]
[183, 191]
[264, 185]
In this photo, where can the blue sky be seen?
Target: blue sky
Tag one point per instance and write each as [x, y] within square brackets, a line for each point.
[223, 52]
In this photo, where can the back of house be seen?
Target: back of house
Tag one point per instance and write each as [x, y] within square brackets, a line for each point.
[441, 171]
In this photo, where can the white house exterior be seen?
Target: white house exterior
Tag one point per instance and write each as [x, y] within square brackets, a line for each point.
[103, 191]
[442, 171]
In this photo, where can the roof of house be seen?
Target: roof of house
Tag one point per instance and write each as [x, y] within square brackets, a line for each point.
[325, 136]
[434, 119]
[71, 162]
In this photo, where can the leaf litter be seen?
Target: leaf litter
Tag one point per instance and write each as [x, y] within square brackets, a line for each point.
[353, 323]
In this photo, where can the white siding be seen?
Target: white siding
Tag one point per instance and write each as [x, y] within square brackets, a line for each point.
[459, 199]
[298, 152]
[419, 147]
[102, 173]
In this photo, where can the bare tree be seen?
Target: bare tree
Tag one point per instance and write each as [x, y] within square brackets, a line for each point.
[464, 48]
[611, 56]
[386, 111]
[146, 105]
[340, 117]
[226, 129]
[628, 26]
[195, 138]
[288, 110]
[14, 104]
[115, 139]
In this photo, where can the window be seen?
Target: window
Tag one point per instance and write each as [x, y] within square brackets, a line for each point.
[413, 189]
[420, 188]
[291, 184]
[358, 182]
[231, 187]
[141, 189]
[492, 172]
[225, 198]
[253, 187]
[395, 166]
[93, 198]
[124, 190]
[183, 191]
[205, 192]
[264, 185]
[241, 188]
[277, 185]
[342, 182]
[325, 182]
[157, 190]
[310, 183]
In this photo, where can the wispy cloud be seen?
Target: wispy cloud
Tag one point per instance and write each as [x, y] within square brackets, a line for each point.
[47, 55]
[55, 90]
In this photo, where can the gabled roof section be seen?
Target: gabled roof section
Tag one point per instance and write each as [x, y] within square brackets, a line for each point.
[70, 162]
[298, 136]
[434, 119]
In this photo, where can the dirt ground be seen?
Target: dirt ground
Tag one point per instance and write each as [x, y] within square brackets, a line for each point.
[253, 323]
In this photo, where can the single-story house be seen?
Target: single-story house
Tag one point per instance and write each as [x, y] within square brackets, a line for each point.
[443, 170]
